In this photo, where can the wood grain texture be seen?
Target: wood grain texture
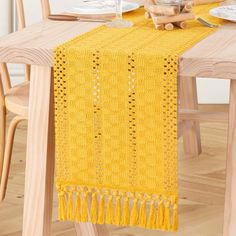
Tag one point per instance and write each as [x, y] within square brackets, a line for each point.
[203, 116]
[88, 229]
[40, 155]
[188, 100]
[230, 199]
[213, 57]
[34, 45]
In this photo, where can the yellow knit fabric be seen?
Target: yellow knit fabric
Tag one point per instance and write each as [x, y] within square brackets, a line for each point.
[116, 123]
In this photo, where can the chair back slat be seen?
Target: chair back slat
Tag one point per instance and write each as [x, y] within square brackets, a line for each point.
[2, 99]
[2, 124]
[22, 25]
[5, 77]
[46, 10]
[20, 14]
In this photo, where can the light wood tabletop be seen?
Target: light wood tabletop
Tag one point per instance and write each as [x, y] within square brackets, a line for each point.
[34, 45]
[214, 56]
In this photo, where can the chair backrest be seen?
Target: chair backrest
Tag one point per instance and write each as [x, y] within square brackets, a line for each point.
[5, 82]
[46, 11]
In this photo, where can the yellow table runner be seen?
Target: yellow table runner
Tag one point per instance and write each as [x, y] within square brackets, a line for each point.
[116, 123]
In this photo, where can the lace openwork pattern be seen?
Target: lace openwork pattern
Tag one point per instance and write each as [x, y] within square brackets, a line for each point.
[116, 123]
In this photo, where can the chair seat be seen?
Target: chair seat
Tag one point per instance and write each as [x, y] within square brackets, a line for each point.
[17, 99]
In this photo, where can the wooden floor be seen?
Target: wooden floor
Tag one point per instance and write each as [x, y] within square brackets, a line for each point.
[202, 182]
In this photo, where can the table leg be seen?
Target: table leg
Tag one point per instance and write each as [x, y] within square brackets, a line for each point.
[40, 155]
[188, 100]
[230, 199]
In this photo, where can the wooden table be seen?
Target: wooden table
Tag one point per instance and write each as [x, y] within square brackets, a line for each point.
[214, 56]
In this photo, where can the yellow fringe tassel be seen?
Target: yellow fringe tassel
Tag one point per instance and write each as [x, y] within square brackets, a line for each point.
[78, 207]
[70, 210]
[84, 214]
[125, 214]
[117, 212]
[164, 217]
[134, 213]
[175, 218]
[62, 206]
[167, 223]
[109, 214]
[143, 214]
[160, 215]
[93, 210]
[101, 215]
[151, 218]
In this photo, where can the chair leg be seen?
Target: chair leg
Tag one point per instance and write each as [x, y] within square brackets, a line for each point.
[2, 134]
[5, 77]
[8, 154]
[188, 100]
[27, 72]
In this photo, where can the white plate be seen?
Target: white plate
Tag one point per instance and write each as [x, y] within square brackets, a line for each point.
[227, 12]
[101, 7]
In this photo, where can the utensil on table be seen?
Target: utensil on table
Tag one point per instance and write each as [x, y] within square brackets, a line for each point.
[206, 23]
[61, 17]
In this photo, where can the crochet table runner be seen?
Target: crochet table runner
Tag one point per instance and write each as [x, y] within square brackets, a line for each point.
[116, 123]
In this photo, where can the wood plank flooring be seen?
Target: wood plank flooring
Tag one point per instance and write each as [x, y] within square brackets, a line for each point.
[202, 186]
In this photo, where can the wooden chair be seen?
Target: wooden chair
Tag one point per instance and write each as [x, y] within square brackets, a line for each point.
[14, 100]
